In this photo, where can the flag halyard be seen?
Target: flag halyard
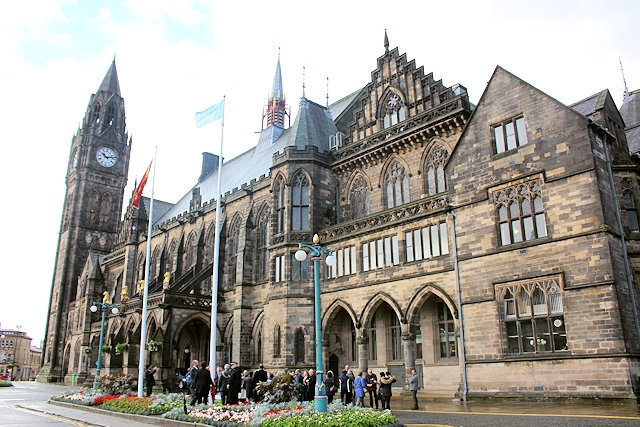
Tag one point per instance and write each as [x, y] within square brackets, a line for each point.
[210, 115]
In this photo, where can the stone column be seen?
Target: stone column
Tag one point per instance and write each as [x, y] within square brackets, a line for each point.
[409, 344]
[363, 352]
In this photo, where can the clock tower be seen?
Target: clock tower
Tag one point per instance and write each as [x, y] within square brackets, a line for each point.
[95, 181]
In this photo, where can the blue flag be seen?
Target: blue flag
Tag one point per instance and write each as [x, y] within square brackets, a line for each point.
[210, 115]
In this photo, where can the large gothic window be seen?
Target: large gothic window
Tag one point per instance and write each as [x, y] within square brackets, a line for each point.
[170, 254]
[533, 315]
[359, 197]
[276, 341]
[393, 111]
[396, 184]
[232, 252]
[300, 203]
[111, 113]
[434, 169]
[299, 346]
[521, 215]
[262, 253]
[153, 264]
[629, 206]
[190, 252]
[105, 208]
[209, 244]
[279, 196]
[96, 114]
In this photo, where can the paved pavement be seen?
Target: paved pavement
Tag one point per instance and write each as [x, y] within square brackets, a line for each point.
[26, 404]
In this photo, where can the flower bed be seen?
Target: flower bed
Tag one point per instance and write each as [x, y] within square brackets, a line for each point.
[284, 414]
[84, 397]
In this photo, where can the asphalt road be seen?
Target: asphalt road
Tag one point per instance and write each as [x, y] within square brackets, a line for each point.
[26, 404]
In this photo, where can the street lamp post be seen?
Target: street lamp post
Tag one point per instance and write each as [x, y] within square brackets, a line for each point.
[103, 307]
[316, 251]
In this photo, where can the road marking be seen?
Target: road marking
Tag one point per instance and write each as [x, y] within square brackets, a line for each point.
[506, 414]
[52, 416]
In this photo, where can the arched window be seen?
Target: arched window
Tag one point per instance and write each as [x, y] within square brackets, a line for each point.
[276, 342]
[393, 111]
[140, 272]
[259, 347]
[279, 205]
[190, 253]
[232, 252]
[153, 264]
[359, 197]
[209, 244]
[299, 347]
[520, 213]
[629, 206]
[170, 254]
[96, 114]
[111, 113]
[262, 253]
[300, 203]
[434, 173]
[396, 184]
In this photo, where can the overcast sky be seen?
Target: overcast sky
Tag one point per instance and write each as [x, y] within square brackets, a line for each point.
[178, 57]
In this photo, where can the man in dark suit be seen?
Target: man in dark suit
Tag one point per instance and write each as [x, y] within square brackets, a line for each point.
[234, 385]
[203, 383]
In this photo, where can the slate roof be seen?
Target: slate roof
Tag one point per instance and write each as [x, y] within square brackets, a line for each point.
[590, 105]
[630, 112]
[338, 107]
[313, 126]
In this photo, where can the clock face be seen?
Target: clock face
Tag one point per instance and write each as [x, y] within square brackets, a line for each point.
[106, 157]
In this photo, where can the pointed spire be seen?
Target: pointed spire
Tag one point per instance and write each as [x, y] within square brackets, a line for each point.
[110, 82]
[625, 96]
[304, 71]
[327, 91]
[277, 94]
[386, 41]
[276, 109]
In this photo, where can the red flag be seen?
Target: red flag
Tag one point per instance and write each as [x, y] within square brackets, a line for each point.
[137, 194]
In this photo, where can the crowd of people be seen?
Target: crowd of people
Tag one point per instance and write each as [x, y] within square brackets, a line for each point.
[230, 384]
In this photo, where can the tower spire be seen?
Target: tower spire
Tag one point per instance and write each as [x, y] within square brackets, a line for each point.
[276, 104]
[110, 81]
[625, 96]
[327, 91]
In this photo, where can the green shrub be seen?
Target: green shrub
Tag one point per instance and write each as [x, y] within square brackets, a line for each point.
[5, 383]
[132, 404]
[345, 417]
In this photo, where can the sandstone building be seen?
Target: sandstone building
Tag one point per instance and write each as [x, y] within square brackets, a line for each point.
[493, 246]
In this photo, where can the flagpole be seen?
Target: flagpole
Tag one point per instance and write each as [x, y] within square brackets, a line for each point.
[216, 259]
[145, 297]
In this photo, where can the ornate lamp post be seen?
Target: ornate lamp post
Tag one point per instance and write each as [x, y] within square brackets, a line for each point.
[316, 251]
[104, 306]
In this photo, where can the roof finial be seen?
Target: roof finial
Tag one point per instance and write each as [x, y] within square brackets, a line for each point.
[327, 91]
[304, 69]
[625, 96]
[386, 42]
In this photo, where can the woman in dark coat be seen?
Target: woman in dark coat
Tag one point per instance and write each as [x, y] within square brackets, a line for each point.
[330, 386]
[386, 379]
[203, 383]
